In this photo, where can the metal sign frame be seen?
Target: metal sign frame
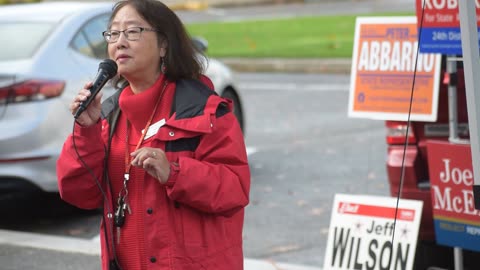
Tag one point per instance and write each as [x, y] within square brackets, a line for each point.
[471, 65]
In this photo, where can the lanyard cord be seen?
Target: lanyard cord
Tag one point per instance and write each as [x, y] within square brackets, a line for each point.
[126, 176]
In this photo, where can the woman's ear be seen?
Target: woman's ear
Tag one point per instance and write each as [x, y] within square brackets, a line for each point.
[163, 48]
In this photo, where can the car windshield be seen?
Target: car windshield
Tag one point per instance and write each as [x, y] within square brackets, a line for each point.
[20, 40]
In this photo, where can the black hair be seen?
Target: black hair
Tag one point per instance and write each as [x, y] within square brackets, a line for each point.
[182, 60]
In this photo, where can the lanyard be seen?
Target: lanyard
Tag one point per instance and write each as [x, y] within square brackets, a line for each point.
[122, 202]
[126, 175]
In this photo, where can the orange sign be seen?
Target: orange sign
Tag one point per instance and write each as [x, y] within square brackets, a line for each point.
[385, 68]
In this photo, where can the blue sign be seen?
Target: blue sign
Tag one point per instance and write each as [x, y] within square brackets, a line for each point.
[441, 40]
[451, 233]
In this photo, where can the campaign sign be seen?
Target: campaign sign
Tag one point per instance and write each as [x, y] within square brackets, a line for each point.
[440, 26]
[457, 222]
[383, 72]
[363, 233]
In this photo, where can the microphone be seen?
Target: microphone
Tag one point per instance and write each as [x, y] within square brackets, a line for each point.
[106, 70]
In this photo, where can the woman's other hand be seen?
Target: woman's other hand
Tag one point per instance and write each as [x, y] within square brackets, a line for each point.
[92, 113]
[153, 161]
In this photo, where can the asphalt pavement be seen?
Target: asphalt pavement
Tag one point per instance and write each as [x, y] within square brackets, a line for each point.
[21, 250]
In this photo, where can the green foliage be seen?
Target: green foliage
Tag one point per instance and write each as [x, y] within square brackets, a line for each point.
[304, 37]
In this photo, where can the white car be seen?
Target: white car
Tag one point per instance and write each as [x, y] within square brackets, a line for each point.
[49, 51]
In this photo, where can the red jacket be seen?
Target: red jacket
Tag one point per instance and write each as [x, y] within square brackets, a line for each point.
[195, 220]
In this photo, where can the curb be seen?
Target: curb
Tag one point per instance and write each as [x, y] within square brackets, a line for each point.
[91, 247]
[329, 65]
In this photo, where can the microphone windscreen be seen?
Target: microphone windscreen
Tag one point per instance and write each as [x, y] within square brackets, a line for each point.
[109, 66]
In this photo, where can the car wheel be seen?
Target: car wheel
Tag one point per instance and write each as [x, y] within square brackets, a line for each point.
[237, 106]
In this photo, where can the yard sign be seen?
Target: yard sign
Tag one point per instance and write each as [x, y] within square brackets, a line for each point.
[457, 222]
[440, 26]
[384, 57]
[360, 234]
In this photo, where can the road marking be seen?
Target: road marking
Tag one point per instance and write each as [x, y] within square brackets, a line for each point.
[49, 242]
[266, 17]
[226, 16]
[250, 264]
[294, 87]
[216, 11]
[251, 150]
[96, 239]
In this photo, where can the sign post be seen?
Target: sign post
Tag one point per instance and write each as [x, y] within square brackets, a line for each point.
[451, 27]
[453, 130]
[471, 64]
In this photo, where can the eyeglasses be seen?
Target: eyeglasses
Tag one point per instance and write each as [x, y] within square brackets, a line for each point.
[132, 34]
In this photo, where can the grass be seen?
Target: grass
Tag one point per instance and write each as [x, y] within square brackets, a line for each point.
[304, 37]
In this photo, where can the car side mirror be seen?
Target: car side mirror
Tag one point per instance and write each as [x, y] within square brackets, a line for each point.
[200, 44]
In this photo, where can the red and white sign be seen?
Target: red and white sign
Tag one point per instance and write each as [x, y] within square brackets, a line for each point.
[456, 221]
[440, 13]
[362, 229]
[451, 181]
[375, 211]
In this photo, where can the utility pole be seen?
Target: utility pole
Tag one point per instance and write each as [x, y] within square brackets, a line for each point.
[471, 65]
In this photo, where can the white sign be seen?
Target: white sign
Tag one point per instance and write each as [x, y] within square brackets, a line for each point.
[362, 229]
[385, 68]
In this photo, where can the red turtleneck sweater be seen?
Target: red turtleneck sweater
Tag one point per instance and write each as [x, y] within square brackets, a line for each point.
[137, 109]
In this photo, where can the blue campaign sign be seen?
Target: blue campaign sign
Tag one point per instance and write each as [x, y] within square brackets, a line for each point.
[439, 21]
[457, 234]
[441, 40]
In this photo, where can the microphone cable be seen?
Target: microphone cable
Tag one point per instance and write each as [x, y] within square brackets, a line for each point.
[402, 175]
[107, 224]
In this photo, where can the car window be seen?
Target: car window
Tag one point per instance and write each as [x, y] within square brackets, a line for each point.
[89, 40]
[20, 40]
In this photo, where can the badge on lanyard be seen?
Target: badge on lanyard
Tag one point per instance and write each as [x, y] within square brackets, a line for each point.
[153, 129]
